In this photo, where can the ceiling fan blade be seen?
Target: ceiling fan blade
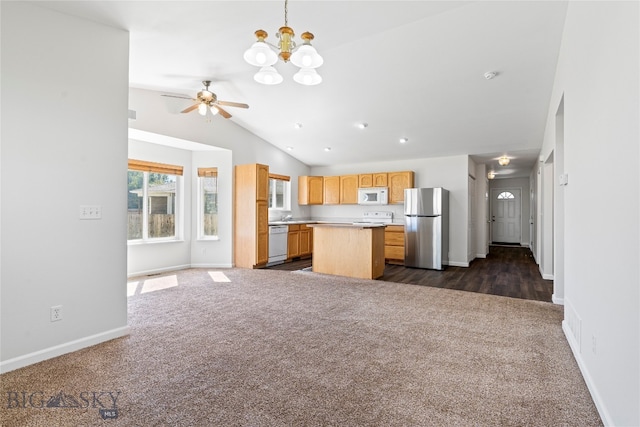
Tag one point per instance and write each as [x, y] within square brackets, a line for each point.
[188, 110]
[222, 111]
[176, 96]
[233, 104]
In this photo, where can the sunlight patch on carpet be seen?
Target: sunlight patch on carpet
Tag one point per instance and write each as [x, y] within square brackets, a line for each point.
[159, 283]
[131, 288]
[218, 276]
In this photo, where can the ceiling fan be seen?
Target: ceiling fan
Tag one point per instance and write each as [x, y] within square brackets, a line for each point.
[205, 99]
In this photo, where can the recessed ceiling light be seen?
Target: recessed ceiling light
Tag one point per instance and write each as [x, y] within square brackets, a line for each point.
[490, 74]
[290, 148]
[363, 125]
[297, 125]
[404, 140]
[327, 148]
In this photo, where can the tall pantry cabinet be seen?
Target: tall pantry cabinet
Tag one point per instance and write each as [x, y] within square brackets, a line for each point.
[251, 216]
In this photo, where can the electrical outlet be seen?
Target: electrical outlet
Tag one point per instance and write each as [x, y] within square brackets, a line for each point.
[56, 313]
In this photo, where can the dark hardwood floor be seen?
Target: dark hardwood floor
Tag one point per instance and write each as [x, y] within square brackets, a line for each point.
[508, 271]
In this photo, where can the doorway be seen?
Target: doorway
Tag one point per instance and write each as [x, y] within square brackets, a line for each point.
[506, 215]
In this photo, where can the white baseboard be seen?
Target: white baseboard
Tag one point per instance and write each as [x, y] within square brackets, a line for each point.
[556, 300]
[59, 350]
[600, 406]
[158, 270]
[545, 276]
[176, 268]
[458, 264]
[481, 255]
[211, 266]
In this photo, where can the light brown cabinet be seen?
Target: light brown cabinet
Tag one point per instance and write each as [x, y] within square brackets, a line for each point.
[306, 240]
[251, 216]
[394, 244]
[310, 190]
[331, 190]
[348, 250]
[299, 241]
[293, 241]
[348, 189]
[398, 181]
[373, 180]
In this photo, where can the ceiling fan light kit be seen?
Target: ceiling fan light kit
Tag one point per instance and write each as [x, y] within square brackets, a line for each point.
[262, 54]
[207, 100]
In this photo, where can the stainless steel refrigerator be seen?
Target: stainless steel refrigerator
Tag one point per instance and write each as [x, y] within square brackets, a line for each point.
[426, 228]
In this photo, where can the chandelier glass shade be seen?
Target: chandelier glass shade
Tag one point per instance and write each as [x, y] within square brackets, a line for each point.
[268, 76]
[503, 161]
[265, 55]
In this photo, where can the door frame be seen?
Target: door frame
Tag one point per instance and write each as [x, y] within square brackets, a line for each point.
[491, 210]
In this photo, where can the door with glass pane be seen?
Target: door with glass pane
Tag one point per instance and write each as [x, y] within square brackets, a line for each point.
[505, 215]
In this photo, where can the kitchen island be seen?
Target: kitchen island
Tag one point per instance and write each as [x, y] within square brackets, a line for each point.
[352, 250]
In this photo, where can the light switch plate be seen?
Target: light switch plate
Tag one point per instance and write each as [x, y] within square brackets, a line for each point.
[90, 212]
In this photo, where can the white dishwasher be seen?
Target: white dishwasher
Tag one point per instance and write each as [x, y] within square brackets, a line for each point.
[277, 244]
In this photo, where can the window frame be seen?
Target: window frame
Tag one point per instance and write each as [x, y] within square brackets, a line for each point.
[203, 172]
[272, 196]
[146, 168]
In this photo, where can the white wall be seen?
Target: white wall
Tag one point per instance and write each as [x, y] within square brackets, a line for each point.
[61, 148]
[598, 76]
[450, 173]
[522, 184]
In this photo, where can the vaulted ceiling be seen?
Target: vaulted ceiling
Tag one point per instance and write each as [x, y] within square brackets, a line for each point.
[409, 69]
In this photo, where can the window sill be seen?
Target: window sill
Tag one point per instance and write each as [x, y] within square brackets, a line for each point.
[152, 242]
[208, 239]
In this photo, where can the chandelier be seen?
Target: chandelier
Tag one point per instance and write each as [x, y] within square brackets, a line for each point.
[263, 54]
[503, 161]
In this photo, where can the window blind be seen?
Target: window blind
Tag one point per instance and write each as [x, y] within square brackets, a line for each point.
[280, 177]
[143, 166]
[208, 172]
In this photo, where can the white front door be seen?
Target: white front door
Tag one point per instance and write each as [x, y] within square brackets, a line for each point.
[505, 215]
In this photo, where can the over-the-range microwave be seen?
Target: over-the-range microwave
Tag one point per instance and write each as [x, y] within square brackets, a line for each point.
[373, 196]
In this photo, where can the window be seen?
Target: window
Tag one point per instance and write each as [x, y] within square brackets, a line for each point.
[279, 192]
[152, 198]
[208, 203]
[506, 195]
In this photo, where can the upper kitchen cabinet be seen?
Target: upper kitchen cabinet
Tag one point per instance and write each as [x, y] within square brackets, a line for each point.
[331, 190]
[398, 181]
[251, 218]
[349, 189]
[373, 180]
[310, 190]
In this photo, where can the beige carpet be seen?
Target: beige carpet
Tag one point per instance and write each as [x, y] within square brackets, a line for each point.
[273, 348]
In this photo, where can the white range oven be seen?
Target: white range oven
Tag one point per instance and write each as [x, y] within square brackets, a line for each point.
[277, 244]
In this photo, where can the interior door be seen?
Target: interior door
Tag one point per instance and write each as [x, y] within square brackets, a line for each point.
[506, 215]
